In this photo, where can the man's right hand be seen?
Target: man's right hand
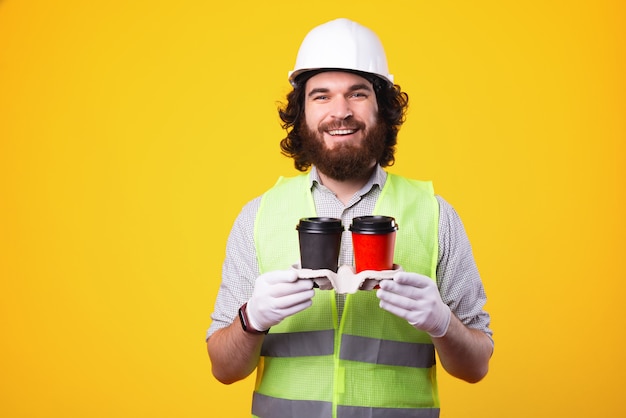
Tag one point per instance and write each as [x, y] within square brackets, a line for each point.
[277, 295]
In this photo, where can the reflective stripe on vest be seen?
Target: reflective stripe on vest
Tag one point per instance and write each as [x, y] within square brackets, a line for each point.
[266, 406]
[373, 360]
[353, 347]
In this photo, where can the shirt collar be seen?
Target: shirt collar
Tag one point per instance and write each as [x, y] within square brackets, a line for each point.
[378, 178]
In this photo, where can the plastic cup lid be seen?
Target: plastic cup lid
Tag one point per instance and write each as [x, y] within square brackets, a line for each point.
[320, 225]
[375, 224]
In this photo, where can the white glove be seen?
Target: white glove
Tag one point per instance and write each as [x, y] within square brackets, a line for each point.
[415, 298]
[277, 295]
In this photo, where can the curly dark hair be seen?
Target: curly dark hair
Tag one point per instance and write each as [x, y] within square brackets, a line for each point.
[392, 107]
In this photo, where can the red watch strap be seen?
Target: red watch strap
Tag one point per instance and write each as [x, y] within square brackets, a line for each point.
[245, 323]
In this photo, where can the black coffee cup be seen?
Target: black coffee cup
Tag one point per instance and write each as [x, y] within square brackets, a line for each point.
[320, 241]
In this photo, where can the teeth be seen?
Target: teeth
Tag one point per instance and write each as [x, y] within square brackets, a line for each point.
[342, 132]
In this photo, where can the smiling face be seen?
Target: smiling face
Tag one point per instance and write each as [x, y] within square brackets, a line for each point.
[340, 106]
[343, 138]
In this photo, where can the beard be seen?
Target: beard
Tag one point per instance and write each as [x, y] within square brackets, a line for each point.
[346, 161]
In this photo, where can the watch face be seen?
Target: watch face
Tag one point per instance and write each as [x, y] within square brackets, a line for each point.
[242, 318]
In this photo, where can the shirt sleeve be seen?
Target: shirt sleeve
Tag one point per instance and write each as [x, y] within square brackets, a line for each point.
[239, 271]
[459, 282]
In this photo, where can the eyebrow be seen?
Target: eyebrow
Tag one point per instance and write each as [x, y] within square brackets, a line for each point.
[354, 87]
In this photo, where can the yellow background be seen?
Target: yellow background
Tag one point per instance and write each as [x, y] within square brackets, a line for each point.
[131, 133]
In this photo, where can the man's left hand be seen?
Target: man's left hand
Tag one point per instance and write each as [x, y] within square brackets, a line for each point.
[415, 297]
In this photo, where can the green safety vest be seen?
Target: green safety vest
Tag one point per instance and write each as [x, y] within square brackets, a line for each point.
[371, 364]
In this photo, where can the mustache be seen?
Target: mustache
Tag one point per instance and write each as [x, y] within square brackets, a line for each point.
[345, 124]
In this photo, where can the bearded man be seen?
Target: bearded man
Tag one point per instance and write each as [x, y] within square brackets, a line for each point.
[319, 353]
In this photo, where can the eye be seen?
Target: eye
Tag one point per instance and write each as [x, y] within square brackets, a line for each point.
[359, 95]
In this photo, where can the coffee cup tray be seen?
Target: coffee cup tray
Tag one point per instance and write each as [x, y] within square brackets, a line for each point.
[346, 280]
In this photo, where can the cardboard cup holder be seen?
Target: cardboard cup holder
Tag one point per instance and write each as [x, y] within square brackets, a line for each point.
[346, 280]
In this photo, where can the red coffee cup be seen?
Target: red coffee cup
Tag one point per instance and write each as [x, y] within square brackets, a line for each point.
[373, 240]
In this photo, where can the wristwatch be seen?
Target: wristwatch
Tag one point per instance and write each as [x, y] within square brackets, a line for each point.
[243, 317]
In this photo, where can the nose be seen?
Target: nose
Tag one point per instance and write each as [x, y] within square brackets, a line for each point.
[341, 109]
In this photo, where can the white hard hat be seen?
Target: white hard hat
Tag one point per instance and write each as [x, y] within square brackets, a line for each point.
[341, 44]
